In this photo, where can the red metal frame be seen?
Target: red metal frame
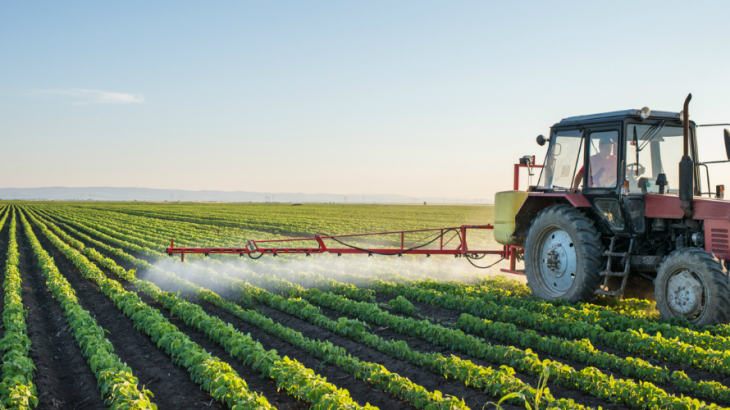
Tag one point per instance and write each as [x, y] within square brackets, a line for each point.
[460, 247]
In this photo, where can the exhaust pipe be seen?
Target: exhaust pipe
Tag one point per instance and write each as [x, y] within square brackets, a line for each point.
[686, 168]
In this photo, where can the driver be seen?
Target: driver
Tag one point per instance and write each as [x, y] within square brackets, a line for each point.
[602, 166]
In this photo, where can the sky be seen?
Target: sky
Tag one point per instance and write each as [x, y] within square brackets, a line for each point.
[420, 98]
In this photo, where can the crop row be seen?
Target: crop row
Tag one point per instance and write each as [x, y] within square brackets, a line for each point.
[17, 388]
[115, 379]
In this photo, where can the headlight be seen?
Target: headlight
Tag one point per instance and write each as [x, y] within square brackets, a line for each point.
[645, 113]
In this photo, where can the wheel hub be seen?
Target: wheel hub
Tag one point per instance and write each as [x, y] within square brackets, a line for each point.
[558, 260]
[684, 294]
[554, 256]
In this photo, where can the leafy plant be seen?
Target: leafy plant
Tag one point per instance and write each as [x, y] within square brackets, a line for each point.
[403, 305]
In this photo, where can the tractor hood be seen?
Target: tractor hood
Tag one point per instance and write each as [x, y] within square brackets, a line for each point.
[667, 206]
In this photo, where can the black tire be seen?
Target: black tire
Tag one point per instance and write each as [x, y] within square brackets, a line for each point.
[704, 268]
[588, 254]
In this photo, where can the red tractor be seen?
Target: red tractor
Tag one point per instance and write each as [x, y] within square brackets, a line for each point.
[618, 198]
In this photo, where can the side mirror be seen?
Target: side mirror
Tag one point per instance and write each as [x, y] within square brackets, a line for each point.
[542, 140]
[727, 143]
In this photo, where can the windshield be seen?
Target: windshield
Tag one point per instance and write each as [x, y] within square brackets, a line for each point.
[565, 149]
[660, 148]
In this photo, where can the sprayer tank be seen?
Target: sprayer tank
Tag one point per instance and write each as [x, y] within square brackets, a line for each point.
[506, 206]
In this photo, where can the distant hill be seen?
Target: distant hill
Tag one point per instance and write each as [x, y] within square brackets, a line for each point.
[148, 194]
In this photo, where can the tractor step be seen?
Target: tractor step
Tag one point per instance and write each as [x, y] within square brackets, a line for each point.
[608, 273]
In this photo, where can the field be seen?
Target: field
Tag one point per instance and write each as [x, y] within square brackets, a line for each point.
[96, 315]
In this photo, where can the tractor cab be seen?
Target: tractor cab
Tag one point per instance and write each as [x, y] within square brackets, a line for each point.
[614, 159]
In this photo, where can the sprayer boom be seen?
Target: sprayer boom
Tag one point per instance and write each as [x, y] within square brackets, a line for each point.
[450, 241]
[439, 241]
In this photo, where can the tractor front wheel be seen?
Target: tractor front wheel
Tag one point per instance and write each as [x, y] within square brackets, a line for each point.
[563, 255]
[690, 284]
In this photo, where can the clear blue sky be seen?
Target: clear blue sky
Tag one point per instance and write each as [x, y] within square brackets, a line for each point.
[419, 98]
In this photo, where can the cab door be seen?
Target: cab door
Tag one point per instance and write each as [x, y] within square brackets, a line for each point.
[602, 176]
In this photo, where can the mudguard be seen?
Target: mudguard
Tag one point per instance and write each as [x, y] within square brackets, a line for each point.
[536, 202]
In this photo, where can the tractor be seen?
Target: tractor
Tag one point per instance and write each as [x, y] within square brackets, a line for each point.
[619, 198]
[618, 201]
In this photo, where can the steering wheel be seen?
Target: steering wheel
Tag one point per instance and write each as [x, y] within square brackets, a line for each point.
[631, 168]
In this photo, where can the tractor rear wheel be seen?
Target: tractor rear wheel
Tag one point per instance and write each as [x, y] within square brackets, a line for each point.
[690, 284]
[563, 255]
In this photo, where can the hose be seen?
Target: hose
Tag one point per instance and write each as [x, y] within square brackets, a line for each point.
[482, 267]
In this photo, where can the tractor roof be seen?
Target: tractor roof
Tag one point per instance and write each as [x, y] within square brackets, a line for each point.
[620, 115]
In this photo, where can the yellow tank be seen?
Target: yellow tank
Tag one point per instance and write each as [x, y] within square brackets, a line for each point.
[506, 205]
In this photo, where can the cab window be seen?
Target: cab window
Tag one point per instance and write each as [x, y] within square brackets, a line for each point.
[562, 160]
[603, 161]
